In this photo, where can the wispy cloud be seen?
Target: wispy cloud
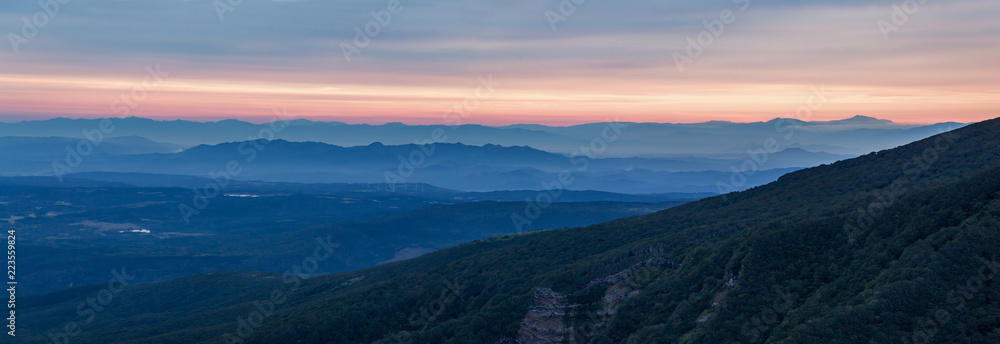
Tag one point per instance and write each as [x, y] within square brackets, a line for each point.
[607, 58]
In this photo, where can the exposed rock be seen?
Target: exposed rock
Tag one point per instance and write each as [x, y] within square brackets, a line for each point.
[543, 324]
[731, 280]
[506, 340]
[545, 321]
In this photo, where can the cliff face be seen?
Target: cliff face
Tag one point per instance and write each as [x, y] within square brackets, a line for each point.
[544, 323]
[548, 319]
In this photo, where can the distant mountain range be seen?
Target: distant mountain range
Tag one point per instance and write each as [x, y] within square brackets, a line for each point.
[853, 136]
[629, 158]
[453, 166]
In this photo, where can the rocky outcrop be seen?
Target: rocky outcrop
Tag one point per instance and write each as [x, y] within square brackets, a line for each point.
[506, 340]
[546, 319]
[544, 323]
[730, 282]
[731, 279]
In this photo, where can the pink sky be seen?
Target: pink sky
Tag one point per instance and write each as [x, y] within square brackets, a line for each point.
[519, 100]
[606, 63]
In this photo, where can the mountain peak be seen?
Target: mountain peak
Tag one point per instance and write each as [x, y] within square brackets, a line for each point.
[859, 119]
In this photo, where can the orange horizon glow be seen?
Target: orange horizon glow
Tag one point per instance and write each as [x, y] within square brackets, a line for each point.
[514, 102]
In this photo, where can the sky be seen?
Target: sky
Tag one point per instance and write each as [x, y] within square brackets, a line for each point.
[498, 62]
